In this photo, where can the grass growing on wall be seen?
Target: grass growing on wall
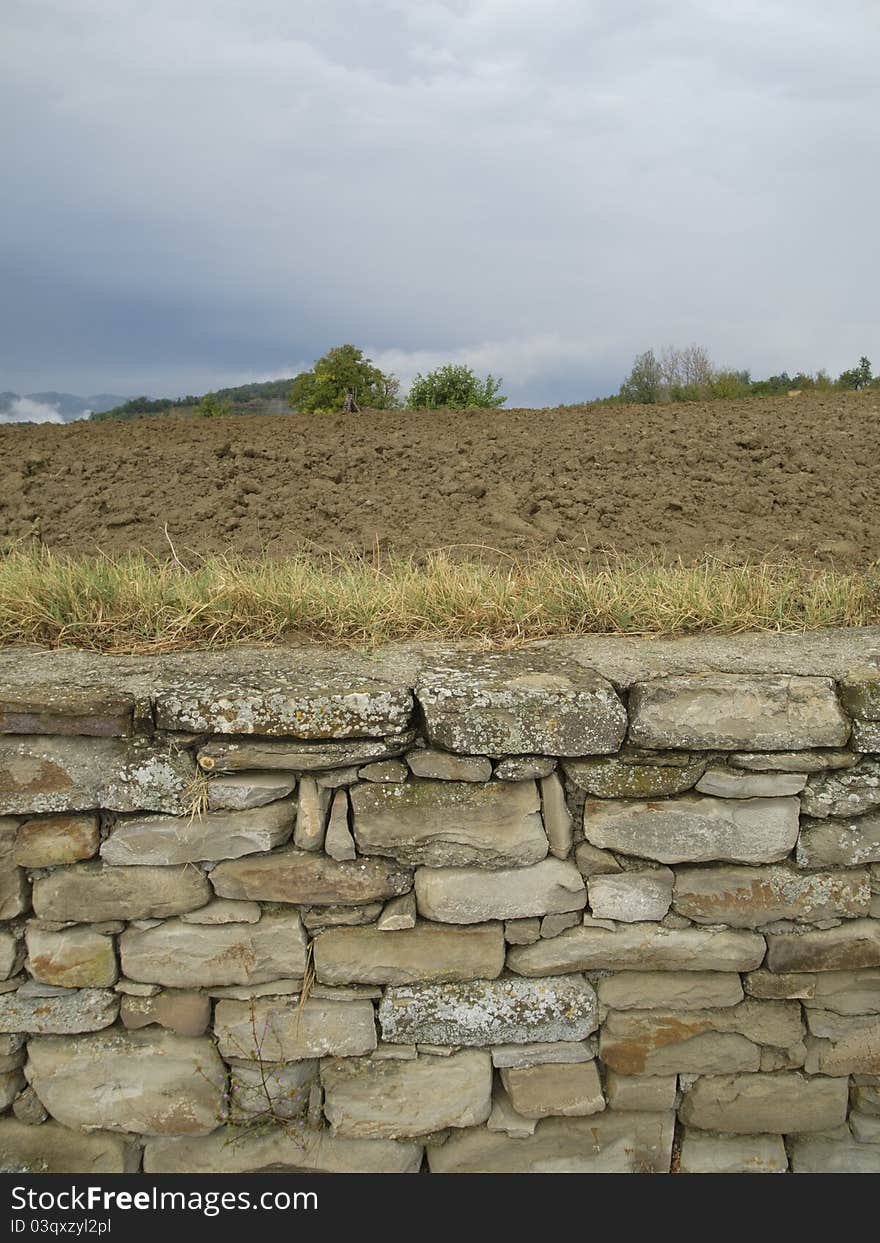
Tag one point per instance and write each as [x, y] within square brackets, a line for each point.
[135, 602]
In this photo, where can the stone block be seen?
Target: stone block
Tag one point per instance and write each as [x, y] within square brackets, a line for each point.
[52, 840]
[736, 712]
[732, 1154]
[75, 958]
[675, 990]
[695, 828]
[443, 766]
[277, 1150]
[91, 892]
[728, 783]
[750, 897]
[570, 1091]
[839, 843]
[427, 952]
[187, 1013]
[489, 1012]
[14, 888]
[300, 876]
[631, 897]
[765, 1104]
[393, 1099]
[845, 794]
[58, 1012]
[151, 1083]
[853, 944]
[287, 1030]
[642, 946]
[640, 1092]
[54, 1149]
[470, 896]
[636, 775]
[217, 835]
[244, 790]
[451, 823]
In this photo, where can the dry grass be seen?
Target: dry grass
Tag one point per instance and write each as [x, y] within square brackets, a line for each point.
[137, 603]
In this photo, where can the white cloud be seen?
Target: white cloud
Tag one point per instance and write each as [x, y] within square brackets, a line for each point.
[24, 410]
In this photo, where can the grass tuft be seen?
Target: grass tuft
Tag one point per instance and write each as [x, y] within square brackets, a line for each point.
[138, 603]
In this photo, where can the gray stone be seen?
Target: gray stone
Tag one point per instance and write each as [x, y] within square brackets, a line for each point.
[265, 1093]
[865, 1127]
[552, 925]
[53, 1149]
[676, 990]
[279, 1150]
[451, 823]
[790, 985]
[317, 917]
[860, 694]
[58, 708]
[635, 775]
[187, 1013]
[76, 958]
[695, 828]
[149, 1082]
[525, 767]
[662, 1042]
[760, 1104]
[339, 843]
[643, 946]
[368, 1099]
[384, 770]
[224, 911]
[11, 1083]
[845, 794]
[591, 861]
[557, 817]
[68, 1012]
[427, 952]
[336, 778]
[90, 892]
[165, 840]
[505, 1119]
[443, 766]
[572, 1090]
[749, 897]
[846, 992]
[631, 897]
[866, 736]
[304, 877]
[311, 815]
[398, 914]
[817, 1155]
[854, 944]
[180, 955]
[843, 1044]
[287, 705]
[638, 1092]
[793, 761]
[14, 889]
[244, 790]
[543, 1053]
[514, 703]
[470, 896]
[52, 840]
[732, 1154]
[292, 757]
[28, 1108]
[489, 1012]
[839, 843]
[522, 931]
[727, 783]
[54, 774]
[606, 1143]
[287, 1030]
[733, 712]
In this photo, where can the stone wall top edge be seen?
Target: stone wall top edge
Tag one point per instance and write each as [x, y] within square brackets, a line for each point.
[623, 660]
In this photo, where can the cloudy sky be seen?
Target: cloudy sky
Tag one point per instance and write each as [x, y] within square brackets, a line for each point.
[200, 193]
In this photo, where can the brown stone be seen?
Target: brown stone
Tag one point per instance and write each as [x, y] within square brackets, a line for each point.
[749, 897]
[758, 1103]
[187, 1013]
[288, 1030]
[427, 952]
[52, 840]
[14, 889]
[91, 892]
[75, 958]
[572, 1090]
[854, 944]
[300, 876]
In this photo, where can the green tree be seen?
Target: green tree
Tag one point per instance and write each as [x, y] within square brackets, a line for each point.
[213, 407]
[857, 377]
[644, 384]
[457, 387]
[343, 380]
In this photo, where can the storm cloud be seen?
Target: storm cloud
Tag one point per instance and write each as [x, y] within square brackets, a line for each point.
[201, 194]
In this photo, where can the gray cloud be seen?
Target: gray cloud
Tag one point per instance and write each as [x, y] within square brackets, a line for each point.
[201, 193]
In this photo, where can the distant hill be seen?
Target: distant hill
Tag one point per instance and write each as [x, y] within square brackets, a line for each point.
[52, 407]
[266, 397]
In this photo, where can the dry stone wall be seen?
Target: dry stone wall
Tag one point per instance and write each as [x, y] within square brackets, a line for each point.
[493, 913]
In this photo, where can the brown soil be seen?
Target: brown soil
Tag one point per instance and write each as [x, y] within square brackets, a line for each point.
[764, 476]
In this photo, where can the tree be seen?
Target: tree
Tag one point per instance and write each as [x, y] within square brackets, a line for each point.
[343, 380]
[213, 407]
[857, 377]
[644, 384]
[456, 386]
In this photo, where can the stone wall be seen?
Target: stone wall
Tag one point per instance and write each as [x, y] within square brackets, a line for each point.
[581, 907]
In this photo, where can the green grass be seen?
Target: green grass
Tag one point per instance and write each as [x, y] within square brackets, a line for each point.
[137, 603]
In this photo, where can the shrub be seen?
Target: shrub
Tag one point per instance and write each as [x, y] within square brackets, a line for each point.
[456, 386]
[343, 380]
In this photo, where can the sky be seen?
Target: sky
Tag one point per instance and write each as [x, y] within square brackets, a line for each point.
[202, 194]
